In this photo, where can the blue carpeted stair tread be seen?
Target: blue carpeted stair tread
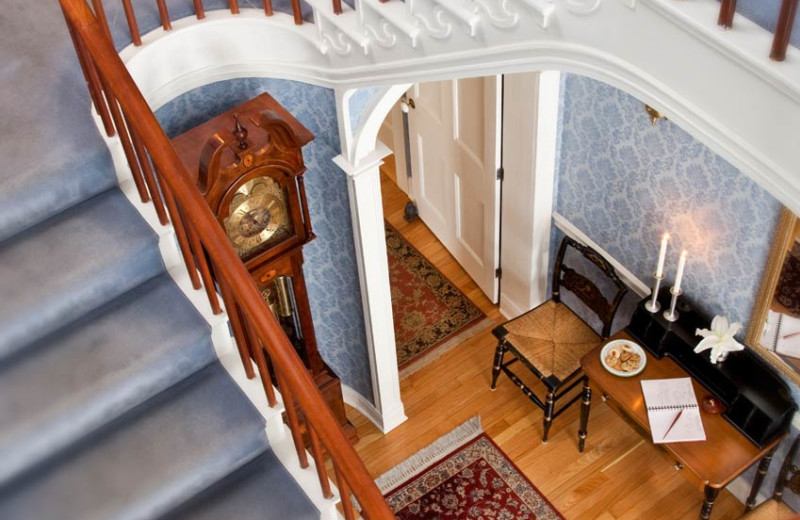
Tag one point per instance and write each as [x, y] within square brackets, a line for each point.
[95, 370]
[70, 265]
[112, 402]
[150, 461]
[53, 156]
[261, 490]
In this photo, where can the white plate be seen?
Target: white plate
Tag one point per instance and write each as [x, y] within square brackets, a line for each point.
[620, 342]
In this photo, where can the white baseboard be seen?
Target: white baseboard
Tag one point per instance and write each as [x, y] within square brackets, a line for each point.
[385, 422]
[509, 309]
[740, 488]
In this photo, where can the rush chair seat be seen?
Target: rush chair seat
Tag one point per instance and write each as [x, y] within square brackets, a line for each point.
[550, 339]
[774, 508]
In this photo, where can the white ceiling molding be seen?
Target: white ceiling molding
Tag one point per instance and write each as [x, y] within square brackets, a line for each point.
[583, 7]
[500, 16]
[720, 86]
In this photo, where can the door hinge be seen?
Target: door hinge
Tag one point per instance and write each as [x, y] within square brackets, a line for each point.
[498, 273]
[501, 173]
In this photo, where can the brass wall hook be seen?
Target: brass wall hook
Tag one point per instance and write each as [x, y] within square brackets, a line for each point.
[654, 114]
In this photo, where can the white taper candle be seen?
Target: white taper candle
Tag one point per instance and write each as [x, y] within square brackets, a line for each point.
[662, 254]
[681, 266]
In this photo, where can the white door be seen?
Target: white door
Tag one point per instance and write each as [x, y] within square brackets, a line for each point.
[455, 152]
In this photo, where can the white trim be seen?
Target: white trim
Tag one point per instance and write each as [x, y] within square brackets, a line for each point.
[728, 95]
[367, 131]
[509, 308]
[628, 277]
[547, 101]
[385, 422]
[530, 123]
[364, 188]
[342, 98]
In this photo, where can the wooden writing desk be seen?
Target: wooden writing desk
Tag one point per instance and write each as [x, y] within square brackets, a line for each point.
[711, 464]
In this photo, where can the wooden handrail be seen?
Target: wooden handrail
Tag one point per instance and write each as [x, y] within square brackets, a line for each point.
[175, 182]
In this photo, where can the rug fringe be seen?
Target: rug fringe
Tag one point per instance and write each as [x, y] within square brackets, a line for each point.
[429, 455]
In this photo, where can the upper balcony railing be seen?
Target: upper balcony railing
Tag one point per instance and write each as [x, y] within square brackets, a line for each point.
[783, 28]
[727, 11]
[160, 177]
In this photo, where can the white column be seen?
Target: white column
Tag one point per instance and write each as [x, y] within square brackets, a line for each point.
[366, 210]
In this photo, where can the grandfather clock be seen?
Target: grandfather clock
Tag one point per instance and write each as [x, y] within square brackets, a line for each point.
[249, 167]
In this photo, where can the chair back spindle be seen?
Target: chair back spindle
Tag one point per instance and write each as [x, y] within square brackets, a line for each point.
[568, 278]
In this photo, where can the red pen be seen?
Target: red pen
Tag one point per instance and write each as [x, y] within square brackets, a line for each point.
[675, 420]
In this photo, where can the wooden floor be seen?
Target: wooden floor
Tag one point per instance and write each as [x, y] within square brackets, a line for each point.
[619, 476]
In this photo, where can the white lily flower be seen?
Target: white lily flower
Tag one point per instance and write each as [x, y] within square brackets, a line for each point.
[719, 339]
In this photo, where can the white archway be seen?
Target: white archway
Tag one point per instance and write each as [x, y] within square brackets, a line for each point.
[742, 107]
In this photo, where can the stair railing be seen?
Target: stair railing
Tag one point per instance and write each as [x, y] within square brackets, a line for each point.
[200, 13]
[783, 27]
[160, 177]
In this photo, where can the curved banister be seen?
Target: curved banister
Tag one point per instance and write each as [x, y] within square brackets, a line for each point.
[296, 382]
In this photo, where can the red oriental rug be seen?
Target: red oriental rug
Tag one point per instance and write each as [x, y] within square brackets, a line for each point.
[472, 481]
[430, 314]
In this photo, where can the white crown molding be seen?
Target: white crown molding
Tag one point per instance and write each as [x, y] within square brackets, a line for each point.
[718, 85]
[583, 7]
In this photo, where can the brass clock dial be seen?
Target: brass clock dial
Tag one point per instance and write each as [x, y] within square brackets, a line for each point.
[257, 215]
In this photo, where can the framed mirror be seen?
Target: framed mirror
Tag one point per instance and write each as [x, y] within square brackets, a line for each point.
[774, 330]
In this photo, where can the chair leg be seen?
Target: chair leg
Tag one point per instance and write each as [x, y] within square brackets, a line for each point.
[548, 414]
[498, 361]
[585, 404]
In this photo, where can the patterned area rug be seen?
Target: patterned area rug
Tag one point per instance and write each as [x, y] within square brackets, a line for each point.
[462, 476]
[430, 314]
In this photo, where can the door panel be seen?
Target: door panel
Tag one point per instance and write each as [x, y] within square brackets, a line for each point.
[456, 153]
[470, 125]
[433, 186]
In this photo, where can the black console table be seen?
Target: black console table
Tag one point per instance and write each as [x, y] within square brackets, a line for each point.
[757, 401]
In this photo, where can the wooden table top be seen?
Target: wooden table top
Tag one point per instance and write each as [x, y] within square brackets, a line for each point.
[724, 454]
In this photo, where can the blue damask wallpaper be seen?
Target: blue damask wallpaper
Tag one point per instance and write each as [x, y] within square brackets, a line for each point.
[330, 268]
[624, 182]
[358, 104]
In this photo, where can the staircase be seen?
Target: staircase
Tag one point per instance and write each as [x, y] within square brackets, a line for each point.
[113, 403]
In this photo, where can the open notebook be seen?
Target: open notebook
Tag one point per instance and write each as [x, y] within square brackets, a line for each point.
[672, 410]
[782, 334]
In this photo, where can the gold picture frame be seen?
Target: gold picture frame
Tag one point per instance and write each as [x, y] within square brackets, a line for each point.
[785, 235]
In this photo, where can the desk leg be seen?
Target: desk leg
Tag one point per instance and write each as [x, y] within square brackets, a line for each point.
[585, 403]
[763, 466]
[710, 497]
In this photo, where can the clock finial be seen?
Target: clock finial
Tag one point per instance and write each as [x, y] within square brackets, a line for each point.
[240, 133]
